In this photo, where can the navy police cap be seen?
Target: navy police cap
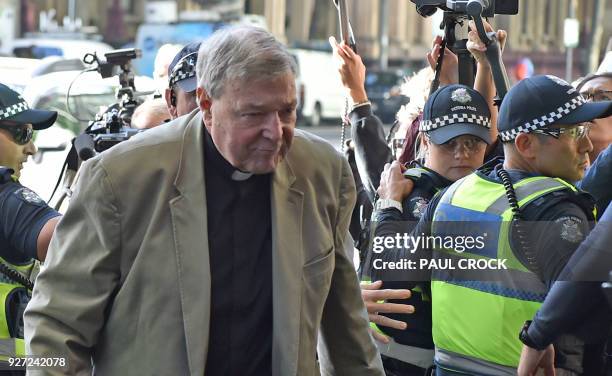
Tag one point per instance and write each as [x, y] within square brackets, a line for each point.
[453, 111]
[541, 101]
[182, 69]
[14, 108]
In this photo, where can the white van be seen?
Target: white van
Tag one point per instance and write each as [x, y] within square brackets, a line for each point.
[321, 94]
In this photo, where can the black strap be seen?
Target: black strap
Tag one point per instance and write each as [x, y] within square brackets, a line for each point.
[71, 163]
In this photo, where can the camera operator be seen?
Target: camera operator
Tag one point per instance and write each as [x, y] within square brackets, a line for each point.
[26, 222]
[180, 94]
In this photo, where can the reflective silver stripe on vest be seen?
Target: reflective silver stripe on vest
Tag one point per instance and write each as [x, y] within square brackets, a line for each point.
[408, 354]
[7, 347]
[447, 197]
[501, 204]
[470, 365]
[510, 283]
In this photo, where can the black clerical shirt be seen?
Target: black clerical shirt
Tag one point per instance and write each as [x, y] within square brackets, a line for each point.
[240, 248]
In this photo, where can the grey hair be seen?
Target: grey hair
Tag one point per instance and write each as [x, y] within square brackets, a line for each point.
[240, 52]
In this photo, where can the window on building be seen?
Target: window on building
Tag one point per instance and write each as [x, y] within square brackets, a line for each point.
[524, 17]
[548, 18]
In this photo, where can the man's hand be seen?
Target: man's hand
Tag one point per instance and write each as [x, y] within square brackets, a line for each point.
[352, 70]
[477, 48]
[449, 74]
[532, 360]
[372, 297]
[393, 185]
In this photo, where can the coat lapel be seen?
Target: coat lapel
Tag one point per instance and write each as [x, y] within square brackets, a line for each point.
[189, 226]
[287, 262]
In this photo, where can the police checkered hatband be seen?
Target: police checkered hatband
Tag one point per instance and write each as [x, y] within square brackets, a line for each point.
[184, 69]
[179, 75]
[442, 121]
[543, 121]
[13, 110]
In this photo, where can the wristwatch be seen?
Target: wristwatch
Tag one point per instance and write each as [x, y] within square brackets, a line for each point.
[384, 203]
[524, 337]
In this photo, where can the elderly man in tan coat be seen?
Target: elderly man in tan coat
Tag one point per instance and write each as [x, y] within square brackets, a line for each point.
[214, 244]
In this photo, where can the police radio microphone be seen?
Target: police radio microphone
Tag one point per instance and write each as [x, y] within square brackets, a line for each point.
[84, 146]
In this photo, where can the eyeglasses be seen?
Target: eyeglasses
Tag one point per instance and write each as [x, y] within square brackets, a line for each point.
[597, 95]
[577, 132]
[471, 144]
[21, 133]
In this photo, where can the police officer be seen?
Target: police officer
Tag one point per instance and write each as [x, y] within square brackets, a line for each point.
[455, 132]
[181, 92]
[26, 222]
[543, 123]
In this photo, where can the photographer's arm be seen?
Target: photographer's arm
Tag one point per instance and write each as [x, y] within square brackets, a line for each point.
[484, 83]
[371, 150]
[449, 73]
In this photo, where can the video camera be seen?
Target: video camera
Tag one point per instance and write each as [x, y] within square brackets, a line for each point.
[113, 125]
[427, 8]
[457, 13]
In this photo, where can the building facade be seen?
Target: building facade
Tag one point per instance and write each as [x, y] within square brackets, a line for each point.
[536, 32]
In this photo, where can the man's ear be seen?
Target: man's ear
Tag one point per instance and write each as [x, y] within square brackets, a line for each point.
[169, 105]
[527, 145]
[205, 104]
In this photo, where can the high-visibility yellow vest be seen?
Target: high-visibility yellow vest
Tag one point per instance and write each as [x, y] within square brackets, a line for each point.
[480, 317]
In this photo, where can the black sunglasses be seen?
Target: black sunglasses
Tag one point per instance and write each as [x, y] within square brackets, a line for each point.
[21, 133]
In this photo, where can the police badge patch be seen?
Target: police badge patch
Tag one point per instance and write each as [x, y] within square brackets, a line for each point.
[29, 196]
[570, 229]
[562, 82]
[418, 206]
[461, 95]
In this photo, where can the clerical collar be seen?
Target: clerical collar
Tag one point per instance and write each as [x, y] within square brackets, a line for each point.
[212, 155]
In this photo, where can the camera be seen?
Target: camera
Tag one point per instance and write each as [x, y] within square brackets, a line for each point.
[427, 8]
[113, 125]
[457, 13]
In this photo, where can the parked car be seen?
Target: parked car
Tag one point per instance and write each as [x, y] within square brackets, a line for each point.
[38, 48]
[16, 72]
[383, 88]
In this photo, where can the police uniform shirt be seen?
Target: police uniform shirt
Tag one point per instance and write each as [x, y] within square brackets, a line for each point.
[240, 251]
[22, 216]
